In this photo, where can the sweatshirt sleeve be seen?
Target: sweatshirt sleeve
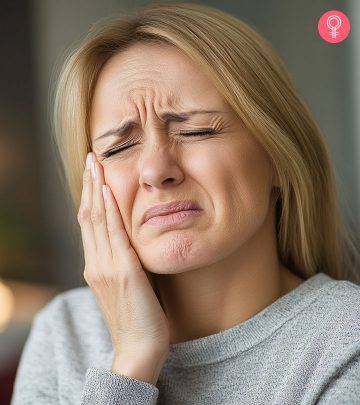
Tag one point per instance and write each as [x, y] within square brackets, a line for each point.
[344, 387]
[103, 387]
[36, 380]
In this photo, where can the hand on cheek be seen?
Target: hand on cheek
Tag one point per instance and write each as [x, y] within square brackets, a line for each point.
[123, 290]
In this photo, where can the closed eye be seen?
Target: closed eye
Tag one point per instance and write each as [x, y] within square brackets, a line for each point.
[118, 149]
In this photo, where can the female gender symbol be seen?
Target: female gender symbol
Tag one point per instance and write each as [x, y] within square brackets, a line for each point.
[333, 28]
[338, 23]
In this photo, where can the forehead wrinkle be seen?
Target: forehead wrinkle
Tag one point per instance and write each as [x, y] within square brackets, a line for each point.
[146, 86]
[134, 74]
[151, 108]
[145, 98]
[145, 89]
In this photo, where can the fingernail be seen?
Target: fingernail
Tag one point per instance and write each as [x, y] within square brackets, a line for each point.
[89, 159]
[93, 170]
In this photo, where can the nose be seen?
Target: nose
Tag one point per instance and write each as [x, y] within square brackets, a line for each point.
[160, 161]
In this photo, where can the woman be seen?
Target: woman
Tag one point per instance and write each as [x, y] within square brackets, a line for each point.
[212, 237]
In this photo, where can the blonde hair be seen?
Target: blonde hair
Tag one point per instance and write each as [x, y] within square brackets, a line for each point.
[251, 76]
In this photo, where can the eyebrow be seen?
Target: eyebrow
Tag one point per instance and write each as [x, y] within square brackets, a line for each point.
[166, 116]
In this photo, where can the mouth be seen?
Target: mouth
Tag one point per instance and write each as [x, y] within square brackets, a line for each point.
[173, 207]
[173, 218]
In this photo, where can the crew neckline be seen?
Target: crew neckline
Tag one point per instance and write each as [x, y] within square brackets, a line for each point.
[229, 342]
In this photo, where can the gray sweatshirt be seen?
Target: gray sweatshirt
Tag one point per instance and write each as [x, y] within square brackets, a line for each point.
[304, 348]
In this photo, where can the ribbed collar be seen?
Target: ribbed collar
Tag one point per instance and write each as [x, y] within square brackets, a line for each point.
[228, 343]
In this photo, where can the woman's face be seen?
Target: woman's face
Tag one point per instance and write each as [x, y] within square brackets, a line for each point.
[226, 172]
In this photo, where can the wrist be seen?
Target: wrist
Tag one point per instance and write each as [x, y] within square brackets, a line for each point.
[144, 369]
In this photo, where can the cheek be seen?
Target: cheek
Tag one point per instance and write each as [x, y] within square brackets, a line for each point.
[114, 178]
[251, 187]
[237, 179]
[231, 167]
[118, 174]
[120, 185]
[206, 163]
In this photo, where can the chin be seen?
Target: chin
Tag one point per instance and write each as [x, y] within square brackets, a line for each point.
[174, 257]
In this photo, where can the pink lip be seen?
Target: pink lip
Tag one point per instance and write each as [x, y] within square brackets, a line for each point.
[170, 208]
[174, 218]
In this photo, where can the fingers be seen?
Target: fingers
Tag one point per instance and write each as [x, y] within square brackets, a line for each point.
[98, 214]
[84, 216]
[105, 239]
[120, 244]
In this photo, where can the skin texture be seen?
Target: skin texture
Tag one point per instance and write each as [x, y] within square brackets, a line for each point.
[218, 269]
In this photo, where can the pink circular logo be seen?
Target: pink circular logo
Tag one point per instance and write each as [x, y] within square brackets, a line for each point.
[334, 26]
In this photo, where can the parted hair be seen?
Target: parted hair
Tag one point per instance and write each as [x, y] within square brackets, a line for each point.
[311, 234]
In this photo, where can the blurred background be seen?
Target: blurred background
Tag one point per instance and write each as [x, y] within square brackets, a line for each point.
[40, 250]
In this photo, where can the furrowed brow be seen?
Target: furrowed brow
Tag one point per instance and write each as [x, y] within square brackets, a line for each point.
[166, 116]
